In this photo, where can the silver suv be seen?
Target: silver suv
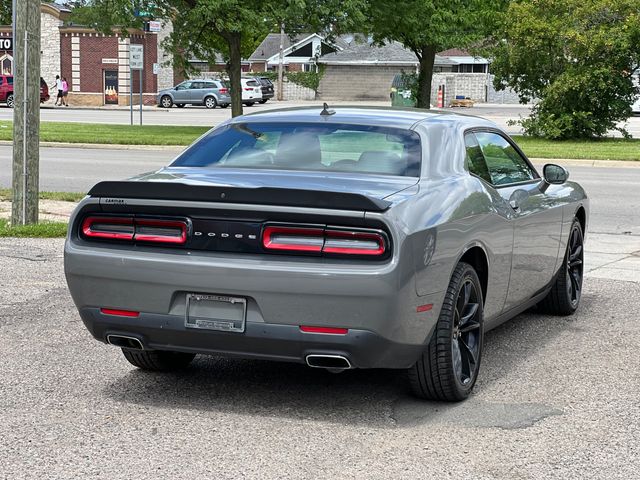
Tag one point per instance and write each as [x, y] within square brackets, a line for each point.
[210, 93]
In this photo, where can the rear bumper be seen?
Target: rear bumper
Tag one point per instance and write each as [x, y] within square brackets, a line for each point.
[363, 349]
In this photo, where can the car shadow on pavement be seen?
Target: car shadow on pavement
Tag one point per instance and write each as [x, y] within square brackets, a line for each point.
[376, 398]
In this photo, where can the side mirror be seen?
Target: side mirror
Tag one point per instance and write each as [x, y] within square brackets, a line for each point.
[553, 174]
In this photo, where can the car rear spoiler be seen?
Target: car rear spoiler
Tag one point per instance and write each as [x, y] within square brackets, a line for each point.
[260, 195]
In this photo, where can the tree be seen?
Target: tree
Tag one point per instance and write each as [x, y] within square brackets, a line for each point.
[233, 28]
[575, 57]
[428, 26]
[5, 12]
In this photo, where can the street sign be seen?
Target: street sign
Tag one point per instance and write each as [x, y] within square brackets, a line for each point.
[155, 26]
[136, 57]
[6, 43]
[156, 68]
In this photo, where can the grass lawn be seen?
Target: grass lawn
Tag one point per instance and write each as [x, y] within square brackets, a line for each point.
[110, 134]
[605, 149]
[42, 230]
[5, 194]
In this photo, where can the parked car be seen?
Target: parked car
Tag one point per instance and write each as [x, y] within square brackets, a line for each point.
[6, 90]
[352, 238]
[251, 91]
[210, 93]
[267, 88]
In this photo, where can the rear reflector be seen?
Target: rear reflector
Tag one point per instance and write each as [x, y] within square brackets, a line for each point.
[138, 229]
[326, 330]
[321, 240]
[120, 313]
[424, 308]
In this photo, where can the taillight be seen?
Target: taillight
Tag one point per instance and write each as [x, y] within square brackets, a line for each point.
[112, 228]
[323, 240]
[293, 239]
[223, 90]
[248, 89]
[353, 242]
[137, 229]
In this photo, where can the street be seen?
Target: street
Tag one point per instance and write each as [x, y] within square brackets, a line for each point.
[500, 114]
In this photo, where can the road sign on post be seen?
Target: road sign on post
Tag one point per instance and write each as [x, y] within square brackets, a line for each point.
[136, 62]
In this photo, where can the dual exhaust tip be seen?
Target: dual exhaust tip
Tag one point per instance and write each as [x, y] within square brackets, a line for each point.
[124, 341]
[330, 362]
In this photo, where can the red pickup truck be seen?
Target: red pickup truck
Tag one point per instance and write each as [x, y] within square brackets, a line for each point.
[6, 90]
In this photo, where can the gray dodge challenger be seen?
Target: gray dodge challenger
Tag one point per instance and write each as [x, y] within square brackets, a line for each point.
[344, 238]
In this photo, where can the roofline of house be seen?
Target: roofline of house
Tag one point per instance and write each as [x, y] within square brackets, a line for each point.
[367, 62]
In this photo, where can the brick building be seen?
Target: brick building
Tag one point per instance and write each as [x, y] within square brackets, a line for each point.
[95, 65]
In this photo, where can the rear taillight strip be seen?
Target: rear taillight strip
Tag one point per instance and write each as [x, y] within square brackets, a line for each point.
[135, 229]
[324, 240]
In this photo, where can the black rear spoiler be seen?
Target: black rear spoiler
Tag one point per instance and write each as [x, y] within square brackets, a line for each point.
[260, 195]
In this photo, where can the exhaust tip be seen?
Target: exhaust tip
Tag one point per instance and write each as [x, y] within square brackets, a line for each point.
[124, 341]
[331, 362]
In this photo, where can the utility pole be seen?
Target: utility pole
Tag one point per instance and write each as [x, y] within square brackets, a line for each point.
[26, 114]
[281, 62]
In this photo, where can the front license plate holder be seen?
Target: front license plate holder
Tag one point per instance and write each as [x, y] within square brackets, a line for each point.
[216, 312]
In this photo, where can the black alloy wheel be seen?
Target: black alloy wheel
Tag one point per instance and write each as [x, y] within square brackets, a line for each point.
[565, 294]
[465, 342]
[448, 368]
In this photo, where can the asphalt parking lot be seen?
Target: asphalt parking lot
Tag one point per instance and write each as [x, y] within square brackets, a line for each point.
[556, 397]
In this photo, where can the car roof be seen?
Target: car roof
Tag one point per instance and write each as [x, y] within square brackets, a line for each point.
[364, 115]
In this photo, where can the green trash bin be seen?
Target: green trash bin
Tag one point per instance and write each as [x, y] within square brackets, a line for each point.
[401, 92]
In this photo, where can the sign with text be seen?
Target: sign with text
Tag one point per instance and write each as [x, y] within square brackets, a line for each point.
[155, 26]
[136, 57]
[6, 43]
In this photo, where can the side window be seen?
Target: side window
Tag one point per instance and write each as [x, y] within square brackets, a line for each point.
[505, 165]
[209, 85]
[196, 85]
[184, 86]
[475, 158]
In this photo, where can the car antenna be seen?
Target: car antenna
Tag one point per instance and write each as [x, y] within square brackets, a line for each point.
[326, 111]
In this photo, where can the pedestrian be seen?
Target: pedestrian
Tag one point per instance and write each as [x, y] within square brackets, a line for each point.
[65, 91]
[59, 88]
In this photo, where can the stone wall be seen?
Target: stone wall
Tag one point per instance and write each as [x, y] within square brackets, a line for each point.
[50, 48]
[358, 82]
[477, 86]
[293, 91]
[165, 73]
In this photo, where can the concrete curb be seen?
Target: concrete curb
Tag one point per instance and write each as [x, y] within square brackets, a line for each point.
[588, 163]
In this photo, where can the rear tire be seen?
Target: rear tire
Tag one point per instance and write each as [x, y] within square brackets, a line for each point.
[158, 360]
[564, 297]
[224, 105]
[448, 368]
[249, 104]
[10, 100]
[210, 102]
[263, 101]
[180, 105]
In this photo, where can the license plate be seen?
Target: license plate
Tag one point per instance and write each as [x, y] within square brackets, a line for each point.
[216, 312]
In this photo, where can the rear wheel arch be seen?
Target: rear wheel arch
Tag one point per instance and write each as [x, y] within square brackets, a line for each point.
[478, 259]
[581, 215]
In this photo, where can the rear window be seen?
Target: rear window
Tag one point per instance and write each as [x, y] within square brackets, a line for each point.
[300, 146]
[252, 83]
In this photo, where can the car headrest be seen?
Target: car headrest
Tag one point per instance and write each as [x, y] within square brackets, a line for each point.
[386, 163]
[298, 150]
